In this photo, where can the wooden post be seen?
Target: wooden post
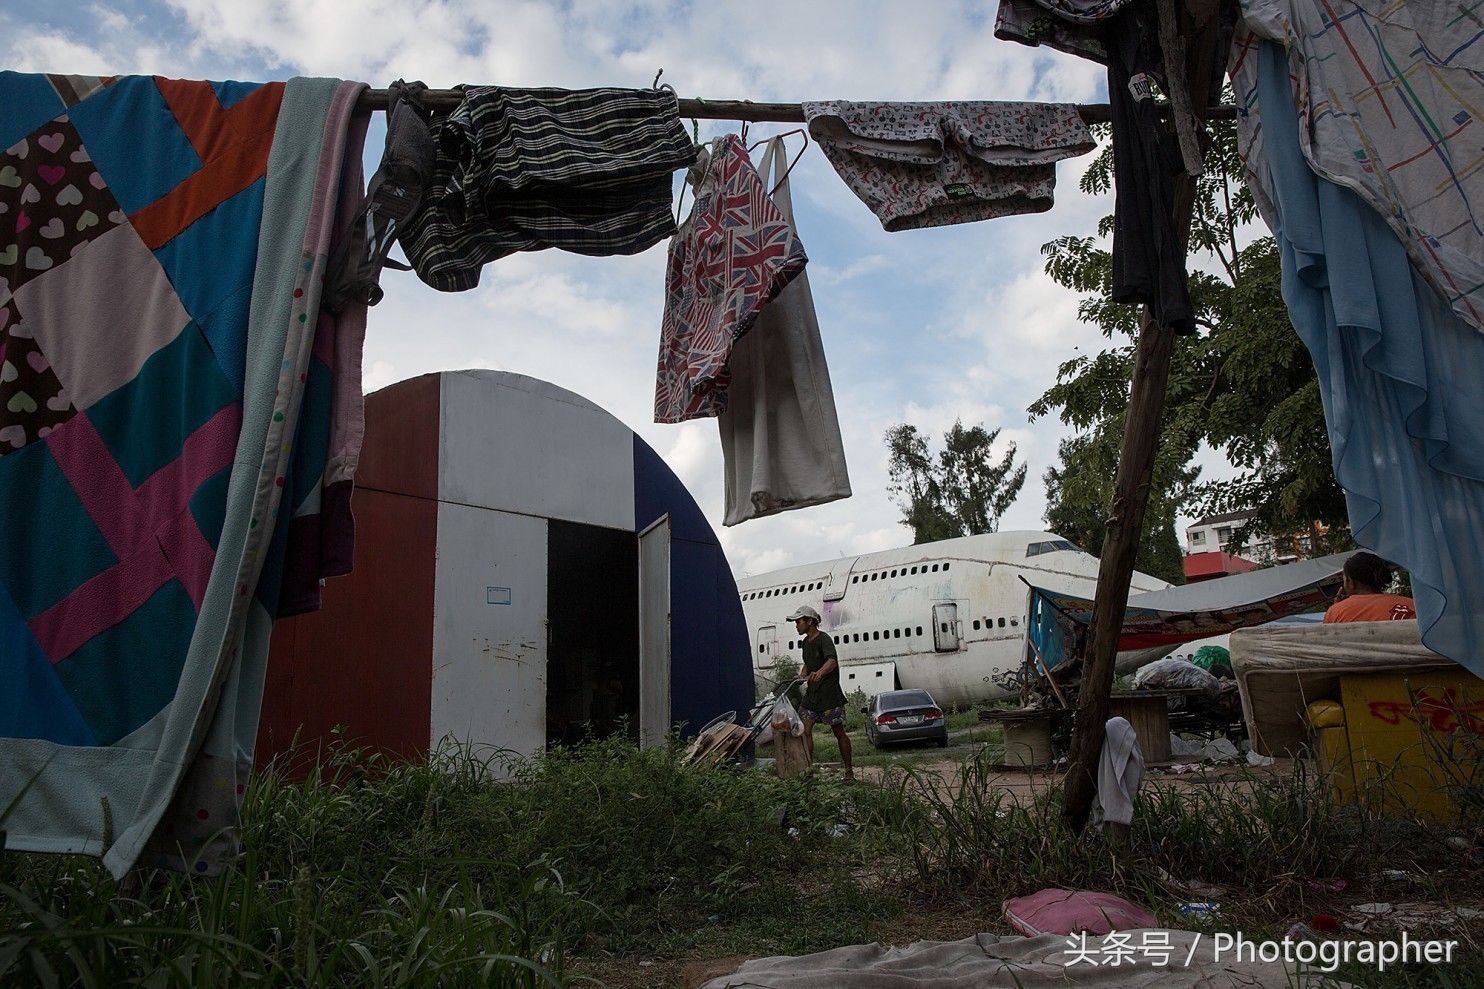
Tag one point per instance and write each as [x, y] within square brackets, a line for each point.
[790, 757]
[1135, 468]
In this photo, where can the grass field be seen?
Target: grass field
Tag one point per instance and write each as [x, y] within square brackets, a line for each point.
[628, 868]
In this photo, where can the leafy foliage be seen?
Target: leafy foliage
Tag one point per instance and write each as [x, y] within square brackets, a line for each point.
[1079, 489]
[962, 491]
[1244, 386]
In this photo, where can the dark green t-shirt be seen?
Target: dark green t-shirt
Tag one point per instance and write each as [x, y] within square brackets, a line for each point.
[825, 694]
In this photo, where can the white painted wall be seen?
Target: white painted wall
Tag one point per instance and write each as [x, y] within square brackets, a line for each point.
[489, 657]
[498, 433]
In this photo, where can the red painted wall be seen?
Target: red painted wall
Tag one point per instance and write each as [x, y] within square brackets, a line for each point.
[1208, 566]
[364, 660]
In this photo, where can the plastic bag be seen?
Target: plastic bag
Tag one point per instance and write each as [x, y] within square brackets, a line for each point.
[785, 718]
[1214, 660]
[1175, 674]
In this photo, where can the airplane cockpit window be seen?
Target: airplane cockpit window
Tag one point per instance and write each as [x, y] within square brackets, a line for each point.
[1048, 546]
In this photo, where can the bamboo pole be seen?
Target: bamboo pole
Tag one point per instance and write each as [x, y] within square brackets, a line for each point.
[1131, 483]
[443, 100]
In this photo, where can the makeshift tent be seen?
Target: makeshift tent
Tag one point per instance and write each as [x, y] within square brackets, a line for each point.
[1159, 619]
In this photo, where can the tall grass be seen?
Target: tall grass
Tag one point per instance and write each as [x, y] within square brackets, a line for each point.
[968, 833]
[466, 871]
[499, 872]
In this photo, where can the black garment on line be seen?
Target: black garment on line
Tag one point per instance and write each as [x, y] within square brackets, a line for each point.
[1148, 261]
[585, 170]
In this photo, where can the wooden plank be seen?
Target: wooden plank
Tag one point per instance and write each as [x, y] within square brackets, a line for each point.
[1135, 471]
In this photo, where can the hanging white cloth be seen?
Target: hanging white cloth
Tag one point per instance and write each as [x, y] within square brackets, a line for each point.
[780, 436]
[1120, 771]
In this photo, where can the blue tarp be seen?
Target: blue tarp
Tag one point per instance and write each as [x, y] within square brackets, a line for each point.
[1400, 376]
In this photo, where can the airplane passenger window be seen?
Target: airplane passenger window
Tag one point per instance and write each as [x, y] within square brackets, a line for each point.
[893, 573]
[1002, 623]
[945, 626]
[976, 624]
[919, 630]
[1014, 622]
[876, 636]
[761, 647]
[935, 568]
[856, 579]
[945, 568]
[896, 633]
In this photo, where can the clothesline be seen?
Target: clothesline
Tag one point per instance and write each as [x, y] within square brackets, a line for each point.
[786, 113]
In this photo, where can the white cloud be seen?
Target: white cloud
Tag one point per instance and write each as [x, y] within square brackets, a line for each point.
[378, 375]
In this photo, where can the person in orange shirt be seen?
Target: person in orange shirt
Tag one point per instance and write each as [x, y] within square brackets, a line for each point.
[1366, 578]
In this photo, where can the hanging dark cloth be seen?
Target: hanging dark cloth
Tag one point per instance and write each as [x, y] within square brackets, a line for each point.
[586, 170]
[1148, 261]
[393, 198]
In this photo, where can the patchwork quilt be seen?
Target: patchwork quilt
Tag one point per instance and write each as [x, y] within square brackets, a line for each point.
[175, 413]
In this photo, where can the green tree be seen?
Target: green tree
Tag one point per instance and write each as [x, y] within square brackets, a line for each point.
[1243, 385]
[1079, 489]
[961, 491]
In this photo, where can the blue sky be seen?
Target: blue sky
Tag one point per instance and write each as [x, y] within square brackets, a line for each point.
[921, 326]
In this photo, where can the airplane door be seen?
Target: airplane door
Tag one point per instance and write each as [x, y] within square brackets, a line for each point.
[945, 627]
[767, 646]
[654, 633]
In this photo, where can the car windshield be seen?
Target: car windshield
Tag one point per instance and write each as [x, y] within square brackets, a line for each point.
[906, 698]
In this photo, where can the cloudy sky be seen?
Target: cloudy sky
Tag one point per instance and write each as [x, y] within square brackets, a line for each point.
[921, 326]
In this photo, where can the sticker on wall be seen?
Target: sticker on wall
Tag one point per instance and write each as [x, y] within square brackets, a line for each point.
[497, 595]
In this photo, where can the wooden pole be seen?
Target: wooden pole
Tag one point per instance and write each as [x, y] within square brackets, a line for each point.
[1125, 524]
[444, 100]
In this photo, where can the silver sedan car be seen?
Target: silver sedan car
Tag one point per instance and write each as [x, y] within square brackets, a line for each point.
[905, 716]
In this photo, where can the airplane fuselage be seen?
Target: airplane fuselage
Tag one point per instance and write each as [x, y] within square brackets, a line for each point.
[948, 616]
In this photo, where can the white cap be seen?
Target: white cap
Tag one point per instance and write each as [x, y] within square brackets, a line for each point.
[803, 612]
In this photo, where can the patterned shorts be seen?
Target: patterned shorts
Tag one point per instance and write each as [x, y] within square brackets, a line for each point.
[834, 716]
[930, 164]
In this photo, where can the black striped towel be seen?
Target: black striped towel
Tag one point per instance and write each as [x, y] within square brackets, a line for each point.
[585, 170]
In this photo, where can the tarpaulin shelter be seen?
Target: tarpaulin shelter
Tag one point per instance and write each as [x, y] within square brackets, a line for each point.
[1194, 611]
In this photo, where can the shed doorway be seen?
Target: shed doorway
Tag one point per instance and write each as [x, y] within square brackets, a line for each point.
[592, 655]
